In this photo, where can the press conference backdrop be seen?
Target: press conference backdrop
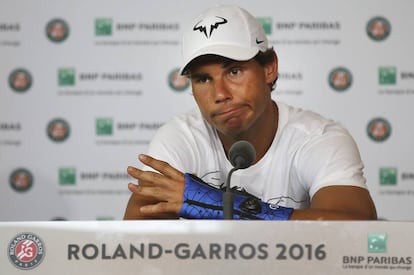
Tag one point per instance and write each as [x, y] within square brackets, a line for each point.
[84, 85]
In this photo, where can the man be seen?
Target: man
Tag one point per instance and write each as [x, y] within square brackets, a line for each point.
[306, 166]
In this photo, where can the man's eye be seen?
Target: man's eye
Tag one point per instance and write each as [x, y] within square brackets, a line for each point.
[235, 71]
[202, 79]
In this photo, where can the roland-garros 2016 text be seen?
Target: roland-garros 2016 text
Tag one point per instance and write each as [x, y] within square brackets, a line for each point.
[187, 251]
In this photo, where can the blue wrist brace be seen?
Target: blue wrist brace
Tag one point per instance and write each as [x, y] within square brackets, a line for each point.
[202, 201]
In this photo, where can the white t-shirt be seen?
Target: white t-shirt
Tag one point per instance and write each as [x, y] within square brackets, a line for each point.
[307, 153]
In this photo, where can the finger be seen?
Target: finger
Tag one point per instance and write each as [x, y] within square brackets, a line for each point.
[152, 192]
[131, 171]
[161, 208]
[148, 176]
[134, 172]
[159, 193]
[161, 166]
[132, 187]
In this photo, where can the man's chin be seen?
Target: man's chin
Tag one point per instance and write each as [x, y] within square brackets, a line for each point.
[232, 132]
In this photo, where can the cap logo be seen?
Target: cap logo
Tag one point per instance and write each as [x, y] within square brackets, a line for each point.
[259, 41]
[205, 26]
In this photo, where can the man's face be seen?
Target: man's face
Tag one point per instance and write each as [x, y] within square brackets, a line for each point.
[233, 97]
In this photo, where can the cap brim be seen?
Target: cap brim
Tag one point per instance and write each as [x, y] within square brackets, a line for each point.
[228, 51]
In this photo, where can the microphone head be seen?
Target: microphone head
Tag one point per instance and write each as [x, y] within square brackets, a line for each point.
[242, 154]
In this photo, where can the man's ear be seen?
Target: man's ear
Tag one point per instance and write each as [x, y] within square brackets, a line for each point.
[271, 70]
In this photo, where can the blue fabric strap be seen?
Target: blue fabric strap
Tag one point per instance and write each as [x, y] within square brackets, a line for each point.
[202, 201]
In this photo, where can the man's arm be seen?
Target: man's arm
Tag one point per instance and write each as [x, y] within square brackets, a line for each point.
[159, 195]
[339, 203]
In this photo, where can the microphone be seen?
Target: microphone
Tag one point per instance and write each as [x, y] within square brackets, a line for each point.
[241, 155]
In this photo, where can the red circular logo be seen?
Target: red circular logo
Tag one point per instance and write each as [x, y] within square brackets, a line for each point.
[26, 251]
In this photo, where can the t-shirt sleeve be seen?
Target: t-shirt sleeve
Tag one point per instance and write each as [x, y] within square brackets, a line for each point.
[173, 144]
[330, 158]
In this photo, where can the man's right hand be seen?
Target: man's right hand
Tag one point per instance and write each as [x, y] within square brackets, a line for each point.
[158, 194]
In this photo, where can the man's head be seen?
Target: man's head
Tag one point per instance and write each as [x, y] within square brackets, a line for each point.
[232, 71]
[227, 31]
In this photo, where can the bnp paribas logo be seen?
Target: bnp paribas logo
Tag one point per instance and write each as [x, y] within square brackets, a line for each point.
[104, 126]
[378, 28]
[266, 23]
[388, 176]
[66, 76]
[178, 82]
[20, 80]
[57, 30]
[58, 130]
[21, 180]
[377, 243]
[387, 75]
[379, 129]
[340, 79]
[67, 176]
[103, 26]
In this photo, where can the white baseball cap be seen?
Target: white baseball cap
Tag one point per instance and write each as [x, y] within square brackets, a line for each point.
[227, 31]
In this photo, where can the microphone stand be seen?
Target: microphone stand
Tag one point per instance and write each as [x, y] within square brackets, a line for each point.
[241, 156]
[228, 198]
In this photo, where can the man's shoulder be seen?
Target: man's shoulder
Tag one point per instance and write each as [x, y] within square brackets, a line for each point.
[188, 125]
[306, 120]
[189, 119]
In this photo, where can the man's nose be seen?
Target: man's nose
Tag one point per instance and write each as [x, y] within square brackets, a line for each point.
[222, 91]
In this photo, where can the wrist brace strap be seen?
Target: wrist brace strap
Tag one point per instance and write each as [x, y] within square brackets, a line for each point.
[202, 201]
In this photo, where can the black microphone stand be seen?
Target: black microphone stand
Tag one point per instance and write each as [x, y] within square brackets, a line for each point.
[241, 156]
[228, 198]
